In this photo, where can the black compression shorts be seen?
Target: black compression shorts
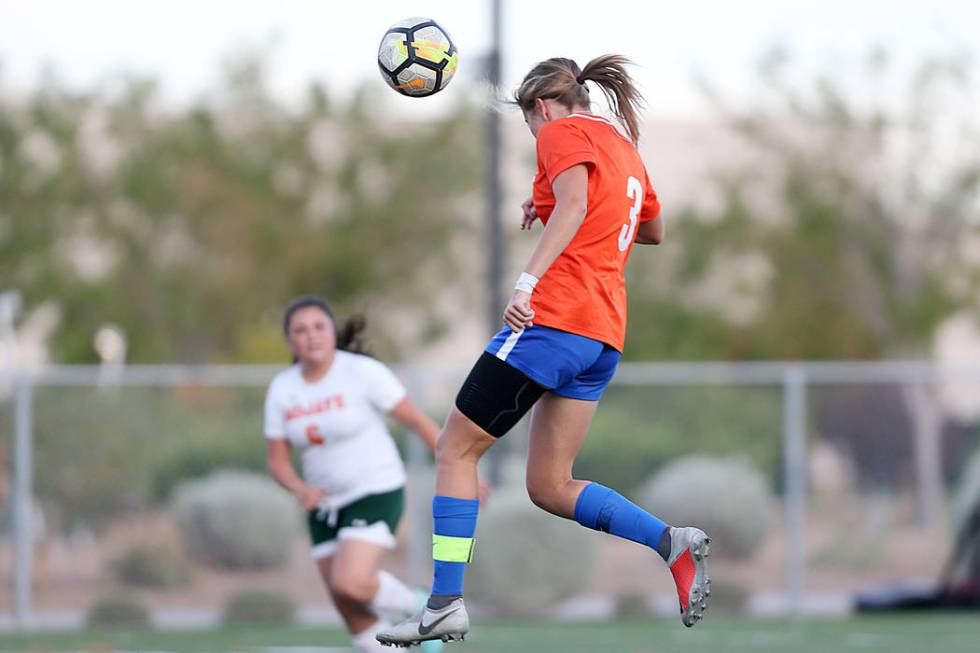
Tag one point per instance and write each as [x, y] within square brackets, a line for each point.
[495, 396]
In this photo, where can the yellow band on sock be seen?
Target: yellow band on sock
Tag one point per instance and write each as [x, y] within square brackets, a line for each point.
[452, 549]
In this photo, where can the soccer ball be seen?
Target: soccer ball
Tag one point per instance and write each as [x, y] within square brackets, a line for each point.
[416, 57]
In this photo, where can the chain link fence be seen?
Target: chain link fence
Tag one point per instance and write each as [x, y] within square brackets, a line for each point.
[816, 480]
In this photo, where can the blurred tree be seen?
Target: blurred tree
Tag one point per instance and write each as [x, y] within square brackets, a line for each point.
[849, 232]
[192, 228]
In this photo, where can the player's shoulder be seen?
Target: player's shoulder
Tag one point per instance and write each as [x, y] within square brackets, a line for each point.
[561, 126]
[359, 363]
[563, 134]
[352, 359]
[596, 126]
[286, 378]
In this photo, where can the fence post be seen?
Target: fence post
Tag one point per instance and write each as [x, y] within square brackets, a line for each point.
[22, 501]
[419, 544]
[927, 426]
[794, 480]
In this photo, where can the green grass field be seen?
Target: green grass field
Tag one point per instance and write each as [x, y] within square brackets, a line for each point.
[902, 634]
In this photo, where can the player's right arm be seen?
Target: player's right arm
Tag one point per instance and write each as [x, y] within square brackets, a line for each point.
[278, 460]
[280, 466]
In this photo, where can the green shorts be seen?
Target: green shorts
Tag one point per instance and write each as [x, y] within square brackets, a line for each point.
[373, 518]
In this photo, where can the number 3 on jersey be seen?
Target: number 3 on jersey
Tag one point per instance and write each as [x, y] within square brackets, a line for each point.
[634, 191]
[313, 435]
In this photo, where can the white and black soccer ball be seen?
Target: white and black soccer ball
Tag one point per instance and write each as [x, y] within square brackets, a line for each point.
[416, 57]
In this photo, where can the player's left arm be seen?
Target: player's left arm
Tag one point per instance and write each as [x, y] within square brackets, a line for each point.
[571, 189]
[650, 231]
[411, 417]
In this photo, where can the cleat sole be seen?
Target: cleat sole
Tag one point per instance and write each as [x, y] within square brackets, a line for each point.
[448, 637]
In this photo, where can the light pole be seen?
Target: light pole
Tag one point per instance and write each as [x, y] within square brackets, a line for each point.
[494, 189]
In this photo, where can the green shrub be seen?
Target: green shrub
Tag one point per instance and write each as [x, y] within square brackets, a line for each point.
[93, 448]
[726, 497]
[207, 454]
[102, 453]
[260, 608]
[237, 520]
[525, 559]
[118, 611]
[638, 430]
[151, 566]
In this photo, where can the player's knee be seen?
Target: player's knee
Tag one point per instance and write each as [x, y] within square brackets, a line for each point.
[542, 492]
[461, 442]
[551, 490]
[449, 450]
[350, 585]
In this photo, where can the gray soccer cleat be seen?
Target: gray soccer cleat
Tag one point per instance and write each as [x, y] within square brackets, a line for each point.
[448, 624]
[689, 549]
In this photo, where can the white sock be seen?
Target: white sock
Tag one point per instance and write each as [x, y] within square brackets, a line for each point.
[393, 596]
[366, 642]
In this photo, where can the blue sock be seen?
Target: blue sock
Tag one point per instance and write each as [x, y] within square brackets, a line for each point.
[603, 509]
[454, 523]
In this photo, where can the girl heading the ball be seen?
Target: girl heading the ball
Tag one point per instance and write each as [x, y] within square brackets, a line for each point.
[564, 335]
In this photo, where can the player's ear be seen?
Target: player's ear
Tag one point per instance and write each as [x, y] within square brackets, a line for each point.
[542, 108]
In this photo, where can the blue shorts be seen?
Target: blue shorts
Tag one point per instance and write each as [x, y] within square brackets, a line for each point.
[567, 364]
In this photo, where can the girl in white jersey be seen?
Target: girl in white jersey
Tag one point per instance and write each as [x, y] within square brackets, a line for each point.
[331, 405]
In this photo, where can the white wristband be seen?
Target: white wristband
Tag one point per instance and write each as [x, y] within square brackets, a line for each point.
[526, 282]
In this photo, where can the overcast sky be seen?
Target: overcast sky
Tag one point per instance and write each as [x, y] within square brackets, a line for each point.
[183, 43]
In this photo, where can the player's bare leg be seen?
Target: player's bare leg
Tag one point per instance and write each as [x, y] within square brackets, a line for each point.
[460, 446]
[558, 429]
[343, 590]
[354, 581]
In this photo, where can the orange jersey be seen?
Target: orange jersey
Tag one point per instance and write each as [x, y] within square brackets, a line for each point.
[584, 290]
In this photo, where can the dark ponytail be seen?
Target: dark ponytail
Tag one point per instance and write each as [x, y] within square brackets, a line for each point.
[350, 334]
[562, 80]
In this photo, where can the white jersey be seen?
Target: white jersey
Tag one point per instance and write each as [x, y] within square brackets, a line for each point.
[338, 425]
